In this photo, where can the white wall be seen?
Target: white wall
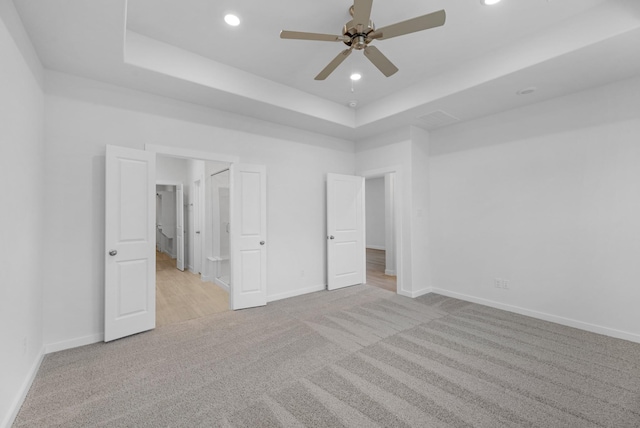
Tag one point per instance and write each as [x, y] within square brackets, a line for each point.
[547, 197]
[22, 213]
[375, 210]
[390, 223]
[419, 208]
[172, 170]
[83, 116]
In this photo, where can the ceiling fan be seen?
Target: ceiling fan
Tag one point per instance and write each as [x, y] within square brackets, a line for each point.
[360, 31]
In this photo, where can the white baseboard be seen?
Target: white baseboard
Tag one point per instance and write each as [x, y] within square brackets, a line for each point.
[414, 294]
[22, 393]
[165, 251]
[206, 278]
[377, 247]
[295, 293]
[619, 334]
[221, 284]
[73, 343]
[390, 272]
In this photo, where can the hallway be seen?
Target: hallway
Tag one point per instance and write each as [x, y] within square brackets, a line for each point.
[375, 271]
[182, 296]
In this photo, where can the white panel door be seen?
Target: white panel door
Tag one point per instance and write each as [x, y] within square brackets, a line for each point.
[248, 236]
[130, 272]
[346, 253]
[180, 226]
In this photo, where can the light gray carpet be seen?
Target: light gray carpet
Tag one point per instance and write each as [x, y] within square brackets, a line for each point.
[357, 357]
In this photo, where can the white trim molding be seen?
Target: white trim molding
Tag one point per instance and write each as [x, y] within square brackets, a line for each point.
[221, 284]
[414, 294]
[73, 343]
[295, 293]
[632, 337]
[22, 393]
[180, 152]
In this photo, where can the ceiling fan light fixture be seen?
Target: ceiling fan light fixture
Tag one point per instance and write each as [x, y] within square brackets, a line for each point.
[356, 76]
[232, 20]
[489, 2]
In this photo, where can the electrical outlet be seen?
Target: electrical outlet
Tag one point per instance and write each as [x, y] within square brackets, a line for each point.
[302, 273]
[501, 283]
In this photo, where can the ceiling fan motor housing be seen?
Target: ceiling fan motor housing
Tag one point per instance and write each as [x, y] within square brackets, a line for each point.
[358, 39]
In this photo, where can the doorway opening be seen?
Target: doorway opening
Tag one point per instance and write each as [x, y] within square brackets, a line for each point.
[221, 227]
[185, 212]
[380, 231]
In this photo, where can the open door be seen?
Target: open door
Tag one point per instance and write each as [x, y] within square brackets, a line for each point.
[346, 252]
[180, 226]
[248, 236]
[130, 275]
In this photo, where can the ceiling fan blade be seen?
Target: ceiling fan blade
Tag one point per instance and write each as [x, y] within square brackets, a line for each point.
[380, 61]
[424, 22]
[362, 12]
[334, 64]
[300, 35]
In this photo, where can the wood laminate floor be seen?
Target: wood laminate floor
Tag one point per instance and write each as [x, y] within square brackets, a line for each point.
[182, 296]
[375, 271]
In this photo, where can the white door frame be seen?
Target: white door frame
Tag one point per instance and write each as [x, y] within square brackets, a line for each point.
[397, 218]
[178, 152]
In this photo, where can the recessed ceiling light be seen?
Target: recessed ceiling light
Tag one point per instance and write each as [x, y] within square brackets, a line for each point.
[527, 91]
[489, 2]
[356, 76]
[232, 20]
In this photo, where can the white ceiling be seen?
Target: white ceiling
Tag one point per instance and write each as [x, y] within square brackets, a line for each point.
[470, 67]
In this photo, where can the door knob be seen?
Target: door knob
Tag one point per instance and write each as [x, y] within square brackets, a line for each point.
[198, 232]
[261, 242]
[113, 252]
[331, 237]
